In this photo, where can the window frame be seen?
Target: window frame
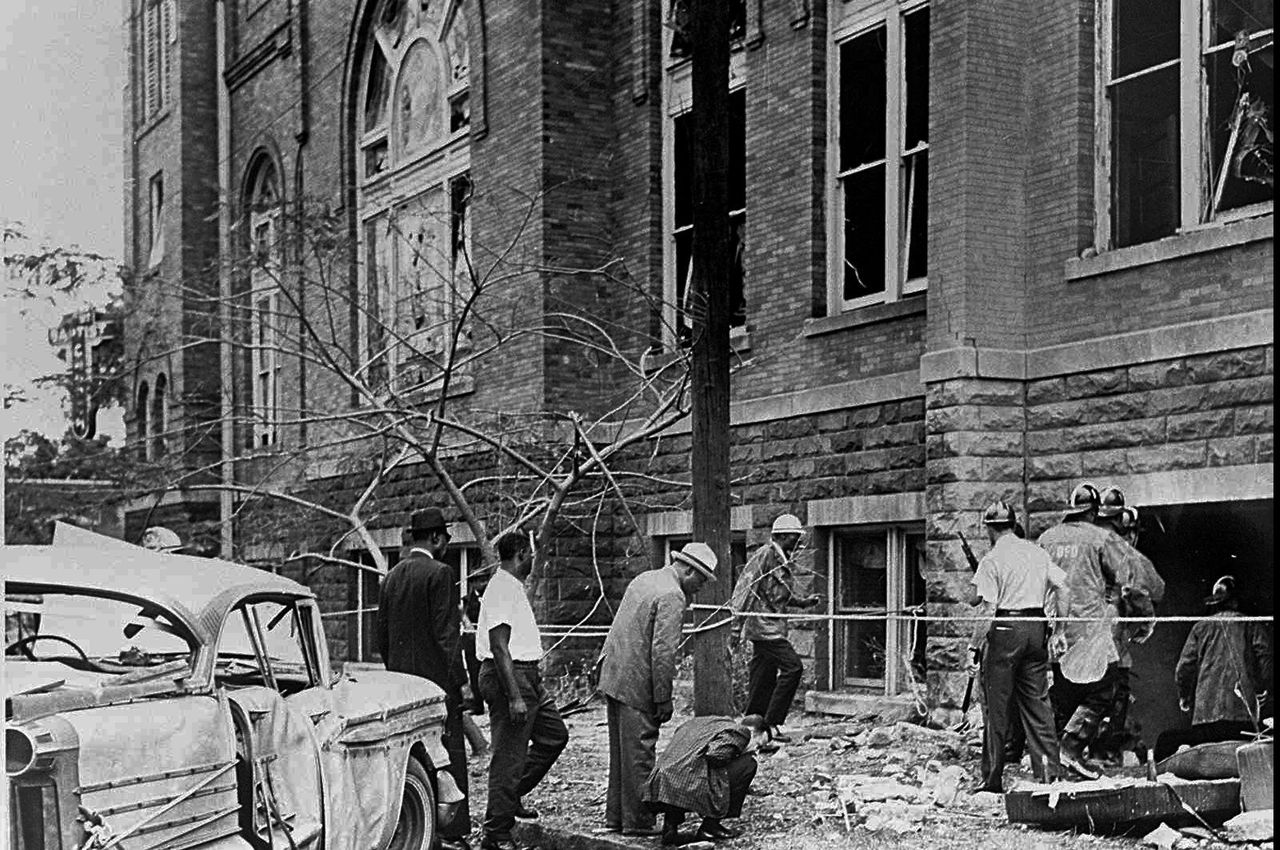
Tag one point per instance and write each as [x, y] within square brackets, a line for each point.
[677, 102]
[846, 24]
[1195, 183]
[155, 219]
[159, 421]
[388, 192]
[158, 24]
[265, 267]
[142, 416]
[898, 537]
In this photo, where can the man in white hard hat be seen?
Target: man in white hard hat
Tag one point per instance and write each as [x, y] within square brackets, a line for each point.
[157, 538]
[766, 586]
[637, 666]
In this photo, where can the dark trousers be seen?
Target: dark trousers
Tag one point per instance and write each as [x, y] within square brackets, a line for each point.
[1113, 735]
[741, 771]
[773, 676]
[455, 743]
[1016, 687]
[633, 739]
[522, 753]
[473, 671]
[1078, 708]
[1201, 733]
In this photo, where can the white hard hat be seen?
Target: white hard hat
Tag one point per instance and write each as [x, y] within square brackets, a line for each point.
[787, 524]
[161, 539]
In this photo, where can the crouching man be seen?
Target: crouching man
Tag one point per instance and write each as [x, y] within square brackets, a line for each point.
[706, 769]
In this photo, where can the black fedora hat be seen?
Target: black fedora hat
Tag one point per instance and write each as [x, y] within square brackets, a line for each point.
[426, 521]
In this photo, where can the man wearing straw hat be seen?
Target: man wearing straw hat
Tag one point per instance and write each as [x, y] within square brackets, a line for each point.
[637, 666]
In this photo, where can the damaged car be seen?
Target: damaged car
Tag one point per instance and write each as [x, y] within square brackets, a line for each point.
[165, 701]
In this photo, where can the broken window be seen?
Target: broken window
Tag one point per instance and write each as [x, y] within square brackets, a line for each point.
[682, 236]
[413, 151]
[678, 22]
[1156, 119]
[882, 160]
[874, 571]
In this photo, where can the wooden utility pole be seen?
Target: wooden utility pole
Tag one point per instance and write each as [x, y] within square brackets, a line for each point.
[709, 37]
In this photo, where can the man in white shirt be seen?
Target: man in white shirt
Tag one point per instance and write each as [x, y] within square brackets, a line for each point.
[528, 733]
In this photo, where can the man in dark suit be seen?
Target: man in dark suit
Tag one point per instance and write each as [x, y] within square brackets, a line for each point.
[418, 633]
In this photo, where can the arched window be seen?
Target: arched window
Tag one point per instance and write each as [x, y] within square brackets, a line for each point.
[159, 417]
[413, 117]
[140, 414]
[264, 298]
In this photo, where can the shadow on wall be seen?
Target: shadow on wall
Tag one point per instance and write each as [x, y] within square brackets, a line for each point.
[1192, 546]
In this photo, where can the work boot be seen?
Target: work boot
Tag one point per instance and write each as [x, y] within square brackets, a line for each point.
[776, 734]
[524, 812]
[713, 830]
[1071, 754]
[671, 829]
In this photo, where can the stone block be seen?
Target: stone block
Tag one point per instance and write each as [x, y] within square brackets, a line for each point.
[945, 688]
[1046, 390]
[986, 443]
[949, 585]
[975, 391]
[830, 467]
[1102, 382]
[1232, 451]
[1241, 391]
[947, 653]
[1266, 448]
[902, 434]
[1108, 435]
[802, 640]
[833, 421]
[1169, 456]
[1154, 376]
[1105, 462]
[999, 417]
[1054, 466]
[847, 441]
[1043, 496]
[936, 447]
[1195, 426]
[864, 417]
[955, 418]
[911, 409]
[951, 469]
[860, 463]
[789, 429]
[1225, 365]
[1177, 400]
[971, 496]
[1003, 468]
[1255, 420]
[744, 454]
[804, 468]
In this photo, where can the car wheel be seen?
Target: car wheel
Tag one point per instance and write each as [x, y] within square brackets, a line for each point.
[416, 829]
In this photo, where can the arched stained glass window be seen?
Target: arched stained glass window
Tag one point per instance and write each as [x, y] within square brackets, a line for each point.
[413, 118]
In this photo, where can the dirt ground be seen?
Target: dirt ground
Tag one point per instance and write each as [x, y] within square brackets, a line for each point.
[800, 797]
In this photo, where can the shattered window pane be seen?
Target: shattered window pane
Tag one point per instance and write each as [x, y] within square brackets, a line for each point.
[1145, 168]
[1145, 34]
[917, 78]
[376, 93]
[862, 99]
[864, 232]
[861, 585]
[915, 183]
[1241, 128]
[1229, 17]
[678, 20]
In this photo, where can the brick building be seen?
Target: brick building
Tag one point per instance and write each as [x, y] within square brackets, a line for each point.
[1075, 282]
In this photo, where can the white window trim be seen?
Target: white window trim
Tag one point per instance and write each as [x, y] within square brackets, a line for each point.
[403, 181]
[264, 295]
[898, 637]
[1193, 104]
[677, 101]
[844, 25]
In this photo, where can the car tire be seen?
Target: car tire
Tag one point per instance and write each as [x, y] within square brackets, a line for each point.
[416, 828]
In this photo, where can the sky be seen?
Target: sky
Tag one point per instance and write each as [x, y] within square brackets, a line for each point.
[61, 175]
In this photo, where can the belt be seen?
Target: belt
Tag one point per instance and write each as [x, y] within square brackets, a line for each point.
[1019, 612]
[514, 663]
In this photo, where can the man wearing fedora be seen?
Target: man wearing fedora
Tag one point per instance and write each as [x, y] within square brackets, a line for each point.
[418, 632]
[637, 666]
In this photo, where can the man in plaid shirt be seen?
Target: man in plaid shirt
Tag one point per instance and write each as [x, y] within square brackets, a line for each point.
[766, 586]
[706, 769]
